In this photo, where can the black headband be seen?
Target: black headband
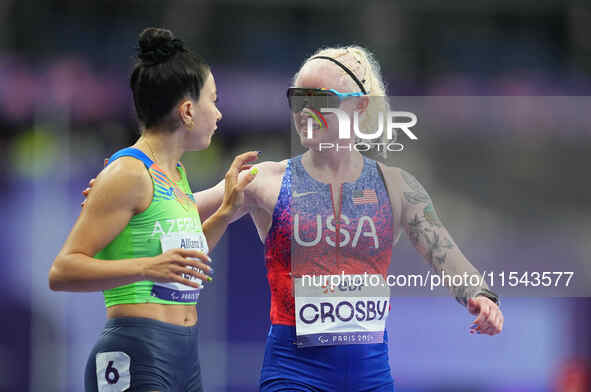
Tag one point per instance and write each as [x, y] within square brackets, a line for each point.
[347, 70]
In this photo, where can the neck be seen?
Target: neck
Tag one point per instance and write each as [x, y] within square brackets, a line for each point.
[339, 166]
[165, 149]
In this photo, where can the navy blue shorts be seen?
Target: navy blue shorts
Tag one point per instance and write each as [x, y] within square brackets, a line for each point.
[141, 355]
[353, 367]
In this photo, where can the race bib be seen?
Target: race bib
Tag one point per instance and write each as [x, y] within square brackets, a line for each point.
[354, 312]
[112, 371]
[174, 291]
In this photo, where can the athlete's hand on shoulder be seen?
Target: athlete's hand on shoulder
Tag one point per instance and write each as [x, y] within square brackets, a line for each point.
[90, 184]
[87, 191]
[490, 318]
[234, 186]
[172, 266]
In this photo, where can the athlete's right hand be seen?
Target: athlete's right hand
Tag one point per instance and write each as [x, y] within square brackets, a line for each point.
[172, 266]
[234, 186]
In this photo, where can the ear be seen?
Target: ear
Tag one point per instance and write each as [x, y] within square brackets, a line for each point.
[186, 111]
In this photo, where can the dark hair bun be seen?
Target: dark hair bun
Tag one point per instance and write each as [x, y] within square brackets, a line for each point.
[156, 46]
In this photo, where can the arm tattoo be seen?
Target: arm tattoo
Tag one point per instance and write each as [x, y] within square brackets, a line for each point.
[431, 215]
[414, 230]
[418, 194]
[425, 229]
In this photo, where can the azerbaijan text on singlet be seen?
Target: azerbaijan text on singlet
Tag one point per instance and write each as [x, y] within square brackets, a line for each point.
[307, 237]
[170, 221]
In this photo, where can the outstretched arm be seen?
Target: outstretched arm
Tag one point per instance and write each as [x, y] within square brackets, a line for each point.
[209, 200]
[432, 240]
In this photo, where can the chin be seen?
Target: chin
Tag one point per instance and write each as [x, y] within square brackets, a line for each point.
[308, 143]
[201, 145]
[315, 141]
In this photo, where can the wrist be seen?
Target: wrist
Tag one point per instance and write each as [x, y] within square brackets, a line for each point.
[137, 269]
[494, 297]
[224, 214]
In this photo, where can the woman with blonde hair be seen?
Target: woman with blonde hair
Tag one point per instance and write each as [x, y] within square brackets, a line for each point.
[336, 211]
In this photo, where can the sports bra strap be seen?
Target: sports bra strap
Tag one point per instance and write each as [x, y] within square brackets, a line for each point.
[131, 152]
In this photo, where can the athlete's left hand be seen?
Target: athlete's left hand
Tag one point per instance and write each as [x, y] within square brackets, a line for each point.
[235, 182]
[490, 318]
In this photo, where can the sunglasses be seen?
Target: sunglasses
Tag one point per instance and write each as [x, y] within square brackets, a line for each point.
[316, 98]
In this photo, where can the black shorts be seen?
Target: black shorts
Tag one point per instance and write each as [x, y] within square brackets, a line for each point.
[144, 355]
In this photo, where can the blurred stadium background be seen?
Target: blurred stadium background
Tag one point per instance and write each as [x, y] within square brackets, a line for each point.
[516, 197]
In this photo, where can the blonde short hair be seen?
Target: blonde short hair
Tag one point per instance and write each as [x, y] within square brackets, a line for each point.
[364, 66]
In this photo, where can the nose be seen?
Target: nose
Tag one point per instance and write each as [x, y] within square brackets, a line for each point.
[306, 112]
[302, 117]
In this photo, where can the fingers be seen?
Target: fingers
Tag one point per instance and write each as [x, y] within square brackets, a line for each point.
[85, 194]
[193, 253]
[490, 328]
[247, 179]
[236, 167]
[473, 306]
[187, 272]
[86, 191]
[194, 259]
[501, 321]
[244, 158]
[489, 321]
[484, 313]
[187, 282]
[483, 316]
[197, 265]
[495, 324]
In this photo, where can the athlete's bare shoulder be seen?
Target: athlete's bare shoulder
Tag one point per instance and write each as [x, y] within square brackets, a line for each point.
[265, 187]
[126, 182]
[393, 178]
[269, 172]
[405, 187]
[273, 167]
[392, 174]
[128, 169]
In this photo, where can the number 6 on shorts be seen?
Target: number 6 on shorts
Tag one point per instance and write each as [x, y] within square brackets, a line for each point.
[112, 371]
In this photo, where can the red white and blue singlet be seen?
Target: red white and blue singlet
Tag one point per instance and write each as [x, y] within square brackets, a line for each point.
[305, 205]
[308, 235]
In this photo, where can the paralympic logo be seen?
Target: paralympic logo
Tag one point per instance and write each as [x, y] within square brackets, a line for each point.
[389, 124]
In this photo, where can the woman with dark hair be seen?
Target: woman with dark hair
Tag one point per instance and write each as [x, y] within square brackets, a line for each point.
[139, 238]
